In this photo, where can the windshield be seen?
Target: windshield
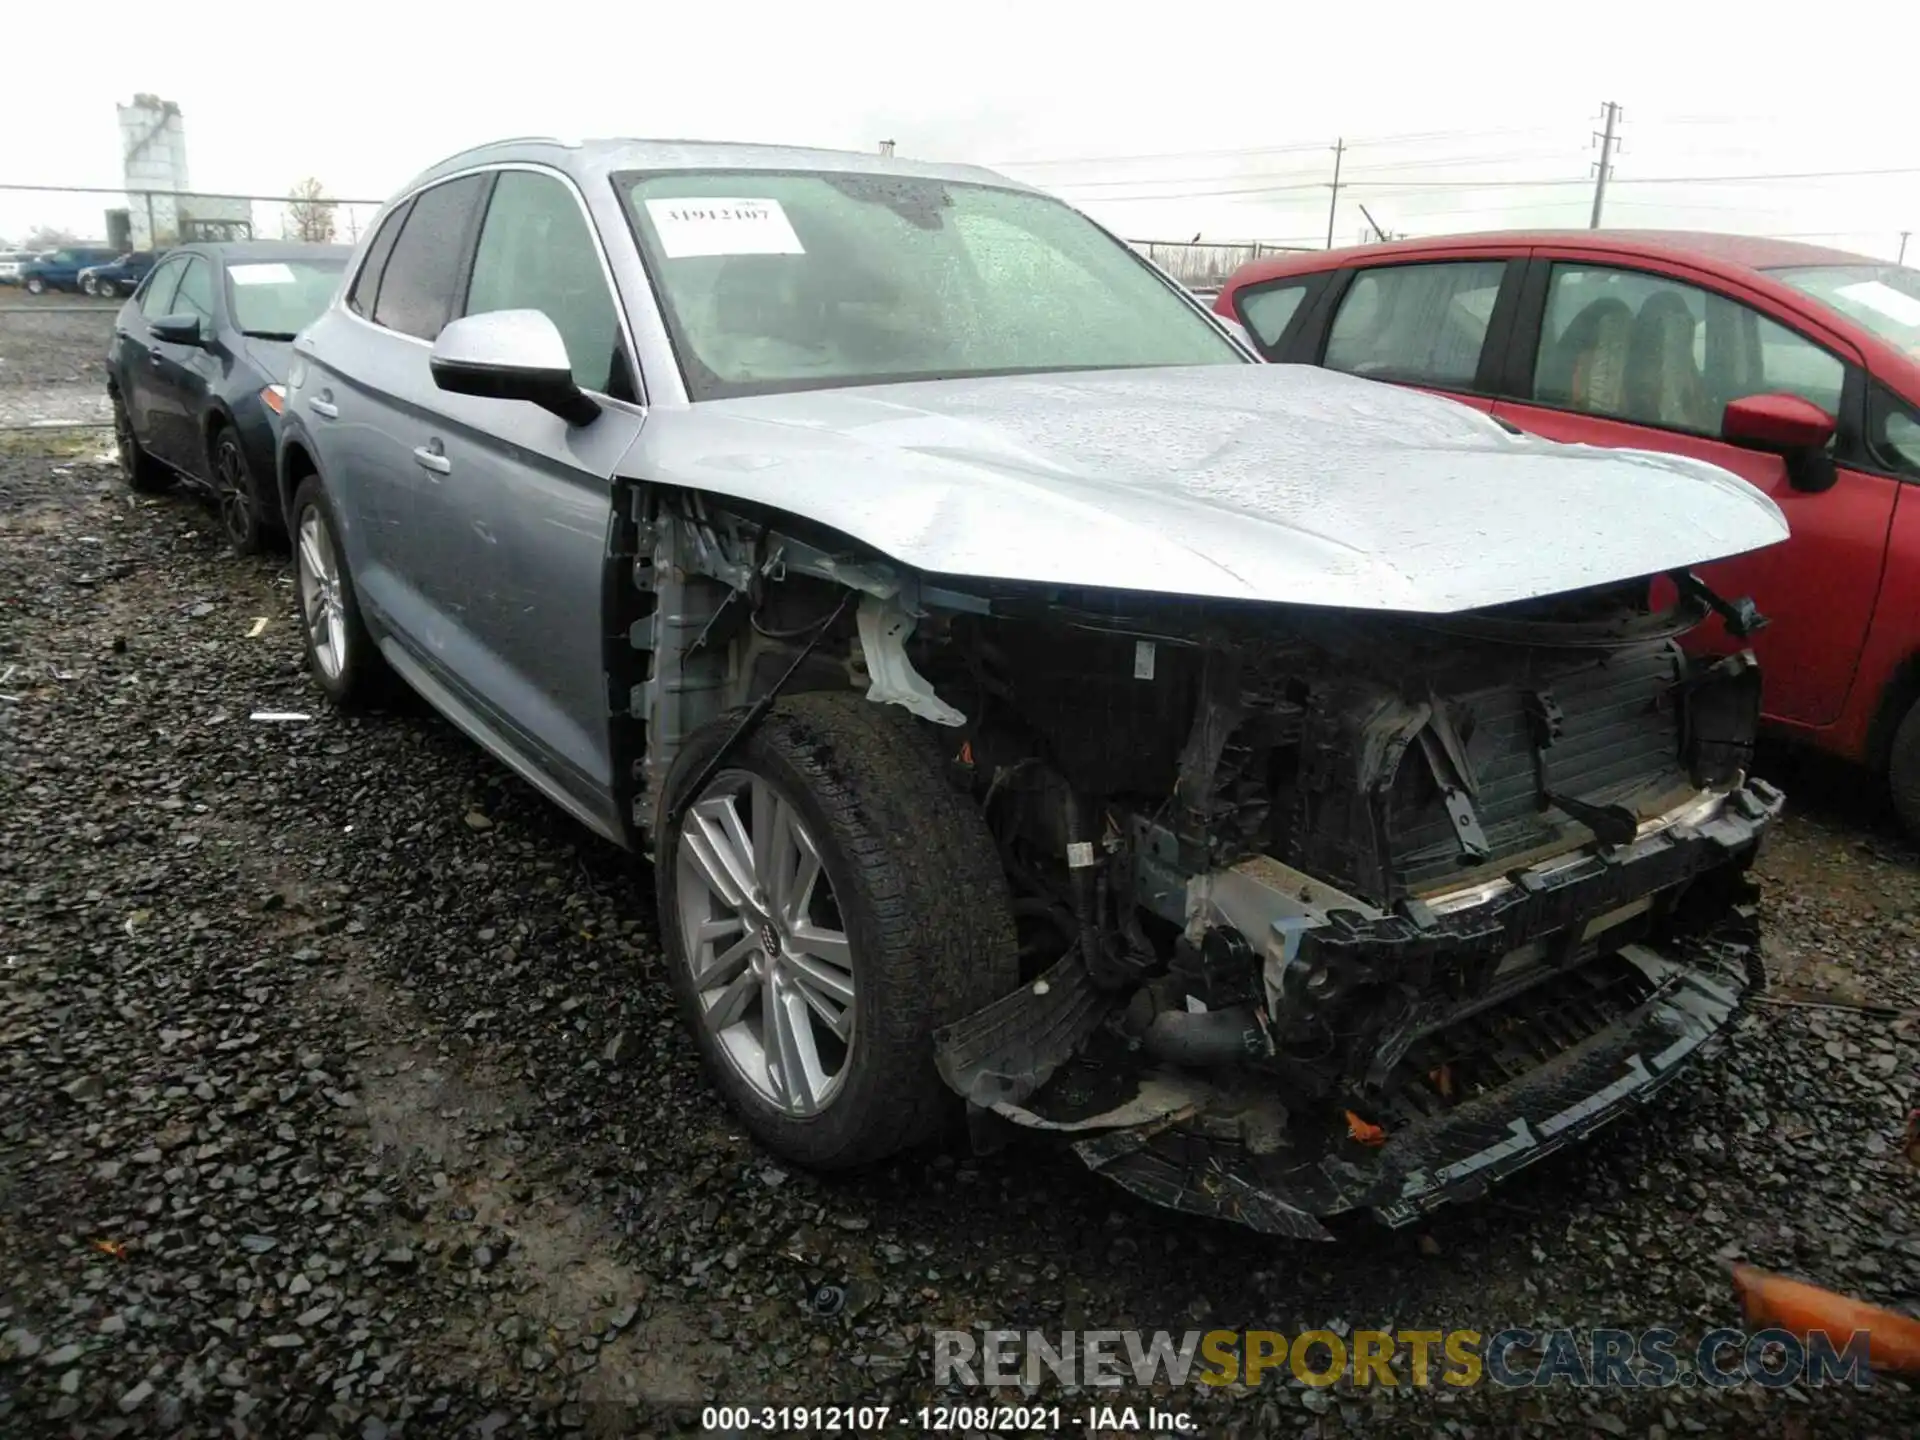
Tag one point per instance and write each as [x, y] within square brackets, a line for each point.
[1885, 299]
[785, 281]
[275, 299]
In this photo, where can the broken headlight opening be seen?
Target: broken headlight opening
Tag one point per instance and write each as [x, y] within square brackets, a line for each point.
[1324, 912]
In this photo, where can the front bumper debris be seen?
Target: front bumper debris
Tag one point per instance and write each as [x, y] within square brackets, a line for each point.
[1201, 1167]
[1222, 1142]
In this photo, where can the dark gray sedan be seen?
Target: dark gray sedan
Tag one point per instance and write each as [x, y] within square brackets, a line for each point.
[1277, 785]
[197, 366]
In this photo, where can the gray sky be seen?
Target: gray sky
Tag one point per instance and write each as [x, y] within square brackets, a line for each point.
[1216, 119]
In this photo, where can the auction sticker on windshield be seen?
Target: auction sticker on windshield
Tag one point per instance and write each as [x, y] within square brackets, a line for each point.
[260, 274]
[711, 225]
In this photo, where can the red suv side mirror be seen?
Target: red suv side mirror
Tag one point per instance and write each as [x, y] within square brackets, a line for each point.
[1793, 428]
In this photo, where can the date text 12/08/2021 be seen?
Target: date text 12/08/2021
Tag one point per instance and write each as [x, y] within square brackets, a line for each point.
[943, 1419]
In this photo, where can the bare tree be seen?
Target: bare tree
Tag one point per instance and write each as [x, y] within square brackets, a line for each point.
[309, 212]
[49, 237]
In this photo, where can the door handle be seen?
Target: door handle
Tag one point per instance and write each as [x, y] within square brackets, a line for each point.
[325, 409]
[432, 457]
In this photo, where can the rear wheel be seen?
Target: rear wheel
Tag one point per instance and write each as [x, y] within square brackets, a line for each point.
[827, 902]
[340, 653]
[142, 472]
[35, 285]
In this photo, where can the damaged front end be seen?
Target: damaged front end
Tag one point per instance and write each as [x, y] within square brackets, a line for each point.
[1327, 912]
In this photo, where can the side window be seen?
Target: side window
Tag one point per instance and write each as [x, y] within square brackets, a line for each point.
[536, 253]
[1656, 351]
[195, 296]
[1268, 311]
[366, 285]
[1423, 323]
[1893, 430]
[417, 289]
[157, 299]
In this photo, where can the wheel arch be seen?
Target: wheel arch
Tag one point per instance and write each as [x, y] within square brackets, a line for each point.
[294, 464]
[1897, 696]
[219, 417]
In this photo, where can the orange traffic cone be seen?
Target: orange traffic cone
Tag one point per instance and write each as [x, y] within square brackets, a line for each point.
[1770, 1301]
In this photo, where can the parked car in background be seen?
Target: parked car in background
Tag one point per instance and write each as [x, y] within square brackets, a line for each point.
[1792, 365]
[946, 601]
[119, 276]
[197, 366]
[10, 263]
[60, 269]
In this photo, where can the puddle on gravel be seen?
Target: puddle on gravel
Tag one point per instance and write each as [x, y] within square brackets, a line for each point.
[424, 1117]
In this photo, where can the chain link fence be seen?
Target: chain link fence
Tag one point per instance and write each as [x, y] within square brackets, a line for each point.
[53, 346]
[121, 220]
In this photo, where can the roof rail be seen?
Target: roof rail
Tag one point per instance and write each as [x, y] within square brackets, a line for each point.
[496, 144]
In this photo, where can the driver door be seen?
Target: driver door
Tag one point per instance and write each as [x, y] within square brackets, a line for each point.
[1649, 360]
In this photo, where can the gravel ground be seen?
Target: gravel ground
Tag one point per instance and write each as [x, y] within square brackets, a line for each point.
[53, 360]
[341, 1093]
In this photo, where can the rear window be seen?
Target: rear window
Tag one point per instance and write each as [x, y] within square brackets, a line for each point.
[423, 272]
[366, 285]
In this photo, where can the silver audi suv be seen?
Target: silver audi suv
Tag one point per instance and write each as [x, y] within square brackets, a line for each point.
[1290, 791]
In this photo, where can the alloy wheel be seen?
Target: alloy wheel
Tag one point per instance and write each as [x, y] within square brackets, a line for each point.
[233, 492]
[770, 958]
[317, 565]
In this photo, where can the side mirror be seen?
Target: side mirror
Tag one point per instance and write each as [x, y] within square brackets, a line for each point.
[177, 329]
[1795, 429]
[510, 355]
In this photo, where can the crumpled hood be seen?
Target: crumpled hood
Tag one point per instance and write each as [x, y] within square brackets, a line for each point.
[1261, 482]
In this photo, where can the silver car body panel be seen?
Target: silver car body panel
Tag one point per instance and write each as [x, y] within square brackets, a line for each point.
[1275, 483]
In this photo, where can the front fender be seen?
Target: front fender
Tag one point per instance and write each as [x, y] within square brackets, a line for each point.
[294, 442]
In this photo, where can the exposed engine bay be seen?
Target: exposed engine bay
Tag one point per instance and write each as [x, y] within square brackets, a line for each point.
[1319, 910]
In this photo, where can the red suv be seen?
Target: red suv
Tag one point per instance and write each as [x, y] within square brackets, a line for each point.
[1793, 366]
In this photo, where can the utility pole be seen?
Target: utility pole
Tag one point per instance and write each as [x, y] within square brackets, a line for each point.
[1375, 224]
[1605, 167]
[1903, 247]
[1333, 203]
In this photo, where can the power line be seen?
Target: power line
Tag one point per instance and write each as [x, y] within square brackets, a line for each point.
[1416, 138]
[1796, 175]
[1519, 183]
[1451, 162]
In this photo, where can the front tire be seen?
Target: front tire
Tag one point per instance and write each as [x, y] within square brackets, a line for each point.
[341, 655]
[237, 495]
[35, 285]
[1903, 772]
[827, 902]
